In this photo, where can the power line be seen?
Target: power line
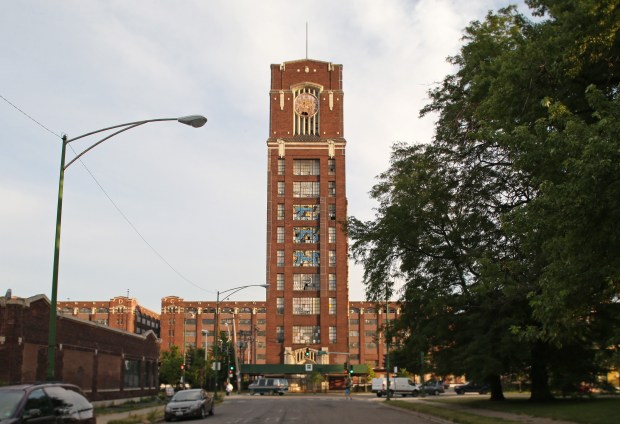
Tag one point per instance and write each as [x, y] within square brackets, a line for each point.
[111, 201]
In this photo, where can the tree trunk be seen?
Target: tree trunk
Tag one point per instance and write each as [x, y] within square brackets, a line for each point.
[497, 393]
[539, 376]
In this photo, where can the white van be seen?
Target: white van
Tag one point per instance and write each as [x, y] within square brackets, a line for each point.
[398, 385]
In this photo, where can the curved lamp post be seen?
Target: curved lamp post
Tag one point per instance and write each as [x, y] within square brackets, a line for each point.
[217, 324]
[195, 121]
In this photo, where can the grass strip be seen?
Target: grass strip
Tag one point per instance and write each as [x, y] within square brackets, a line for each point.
[456, 416]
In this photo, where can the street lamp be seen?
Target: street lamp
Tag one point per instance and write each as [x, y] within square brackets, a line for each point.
[195, 121]
[217, 321]
[206, 334]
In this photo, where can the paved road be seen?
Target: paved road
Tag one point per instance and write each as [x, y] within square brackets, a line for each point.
[307, 410]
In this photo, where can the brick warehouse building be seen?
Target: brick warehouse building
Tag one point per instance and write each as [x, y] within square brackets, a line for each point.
[107, 363]
[307, 302]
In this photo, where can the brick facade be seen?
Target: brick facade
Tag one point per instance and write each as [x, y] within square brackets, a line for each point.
[106, 363]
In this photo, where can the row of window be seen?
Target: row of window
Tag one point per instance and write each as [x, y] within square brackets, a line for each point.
[306, 306]
[307, 212]
[308, 189]
[307, 166]
[306, 258]
[306, 334]
[306, 282]
[191, 322]
[306, 235]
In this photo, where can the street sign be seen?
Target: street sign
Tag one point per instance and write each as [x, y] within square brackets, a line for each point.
[216, 366]
[309, 367]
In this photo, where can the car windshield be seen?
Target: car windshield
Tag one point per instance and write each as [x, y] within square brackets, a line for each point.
[186, 395]
[9, 399]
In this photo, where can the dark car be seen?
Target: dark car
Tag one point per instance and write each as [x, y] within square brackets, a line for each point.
[471, 387]
[46, 403]
[433, 387]
[189, 403]
[269, 385]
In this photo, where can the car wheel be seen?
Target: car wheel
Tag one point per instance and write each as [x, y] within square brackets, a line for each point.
[211, 410]
[379, 394]
[436, 392]
[202, 412]
[415, 393]
[261, 393]
[459, 392]
[391, 393]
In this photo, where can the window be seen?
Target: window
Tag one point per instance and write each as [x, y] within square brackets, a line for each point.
[306, 258]
[331, 234]
[280, 214]
[354, 333]
[280, 282]
[280, 305]
[331, 211]
[332, 257]
[354, 321]
[370, 321]
[190, 334]
[331, 166]
[280, 334]
[280, 258]
[281, 166]
[306, 212]
[305, 235]
[280, 235]
[371, 345]
[190, 322]
[306, 334]
[261, 321]
[131, 376]
[370, 333]
[354, 345]
[331, 188]
[280, 188]
[306, 167]
[332, 305]
[306, 306]
[245, 321]
[306, 281]
[332, 282]
[306, 189]
[332, 334]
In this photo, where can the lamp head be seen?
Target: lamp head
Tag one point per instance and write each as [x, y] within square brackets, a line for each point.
[195, 121]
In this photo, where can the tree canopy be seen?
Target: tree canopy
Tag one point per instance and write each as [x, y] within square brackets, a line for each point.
[504, 228]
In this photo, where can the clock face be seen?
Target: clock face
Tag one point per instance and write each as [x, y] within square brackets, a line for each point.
[306, 105]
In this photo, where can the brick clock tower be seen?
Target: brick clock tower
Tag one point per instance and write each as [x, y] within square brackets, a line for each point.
[307, 268]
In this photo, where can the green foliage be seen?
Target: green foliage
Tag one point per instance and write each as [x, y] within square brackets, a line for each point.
[505, 228]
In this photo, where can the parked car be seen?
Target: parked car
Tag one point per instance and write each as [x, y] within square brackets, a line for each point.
[269, 385]
[190, 403]
[472, 387]
[46, 403]
[433, 387]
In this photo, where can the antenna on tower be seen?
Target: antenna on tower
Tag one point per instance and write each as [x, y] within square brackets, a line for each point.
[306, 39]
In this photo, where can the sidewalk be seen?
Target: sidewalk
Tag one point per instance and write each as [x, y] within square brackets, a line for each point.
[142, 413]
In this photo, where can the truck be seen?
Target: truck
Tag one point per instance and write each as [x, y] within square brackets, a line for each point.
[398, 385]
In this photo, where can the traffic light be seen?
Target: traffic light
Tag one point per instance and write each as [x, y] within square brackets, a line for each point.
[307, 352]
[182, 367]
[231, 367]
[346, 367]
[351, 369]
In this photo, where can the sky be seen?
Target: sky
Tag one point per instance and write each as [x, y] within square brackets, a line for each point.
[165, 209]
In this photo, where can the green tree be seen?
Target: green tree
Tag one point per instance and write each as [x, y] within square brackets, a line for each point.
[504, 229]
[170, 368]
